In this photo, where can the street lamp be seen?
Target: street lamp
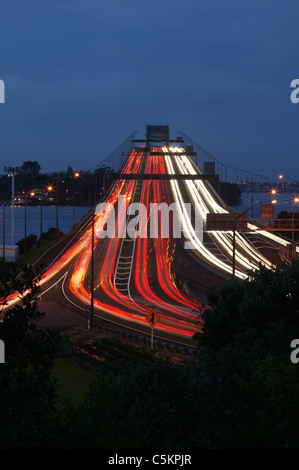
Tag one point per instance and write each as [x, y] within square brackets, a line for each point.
[272, 190]
[50, 189]
[295, 201]
[41, 222]
[76, 175]
[25, 230]
[12, 175]
[281, 177]
[92, 272]
[3, 253]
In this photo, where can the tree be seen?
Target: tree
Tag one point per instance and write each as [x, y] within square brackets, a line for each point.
[265, 307]
[30, 242]
[270, 414]
[28, 393]
[29, 168]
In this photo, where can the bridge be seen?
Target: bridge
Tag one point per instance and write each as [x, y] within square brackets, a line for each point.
[123, 277]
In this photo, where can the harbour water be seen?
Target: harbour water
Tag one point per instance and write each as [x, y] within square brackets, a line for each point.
[284, 203]
[33, 217]
[66, 215]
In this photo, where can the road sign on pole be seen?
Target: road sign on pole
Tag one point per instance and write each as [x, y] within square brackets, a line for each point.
[153, 318]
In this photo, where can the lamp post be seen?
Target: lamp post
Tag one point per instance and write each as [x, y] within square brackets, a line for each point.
[281, 177]
[92, 272]
[76, 175]
[295, 201]
[12, 175]
[3, 253]
[25, 231]
[272, 190]
[13, 205]
[95, 187]
[41, 222]
[50, 189]
[57, 223]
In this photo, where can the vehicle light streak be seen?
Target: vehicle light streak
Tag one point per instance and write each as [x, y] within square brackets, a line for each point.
[165, 281]
[226, 237]
[189, 231]
[198, 194]
[106, 282]
[162, 246]
[78, 246]
[176, 309]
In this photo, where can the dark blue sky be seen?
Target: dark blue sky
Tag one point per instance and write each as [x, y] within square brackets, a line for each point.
[81, 75]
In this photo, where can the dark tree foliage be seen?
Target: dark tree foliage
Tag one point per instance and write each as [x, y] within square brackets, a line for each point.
[28, 393]
[202, 405]
[264, 308]
[29, 168]
[270, 414]
[30, 242]
[241, 392]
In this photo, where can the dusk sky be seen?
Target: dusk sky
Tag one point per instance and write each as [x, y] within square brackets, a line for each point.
[81, 75]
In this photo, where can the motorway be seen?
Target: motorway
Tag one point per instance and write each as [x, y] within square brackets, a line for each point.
[156, 269]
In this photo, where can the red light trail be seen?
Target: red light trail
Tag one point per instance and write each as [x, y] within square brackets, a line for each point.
[150, 278]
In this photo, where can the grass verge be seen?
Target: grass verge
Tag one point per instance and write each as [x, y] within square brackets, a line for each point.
[72, 381]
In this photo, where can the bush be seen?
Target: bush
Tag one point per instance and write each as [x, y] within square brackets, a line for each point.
[30, 243]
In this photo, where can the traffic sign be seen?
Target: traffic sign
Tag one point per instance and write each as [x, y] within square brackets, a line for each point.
[153, 318]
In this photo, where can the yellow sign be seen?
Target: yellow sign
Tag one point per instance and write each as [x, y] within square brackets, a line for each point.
[153, 318]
